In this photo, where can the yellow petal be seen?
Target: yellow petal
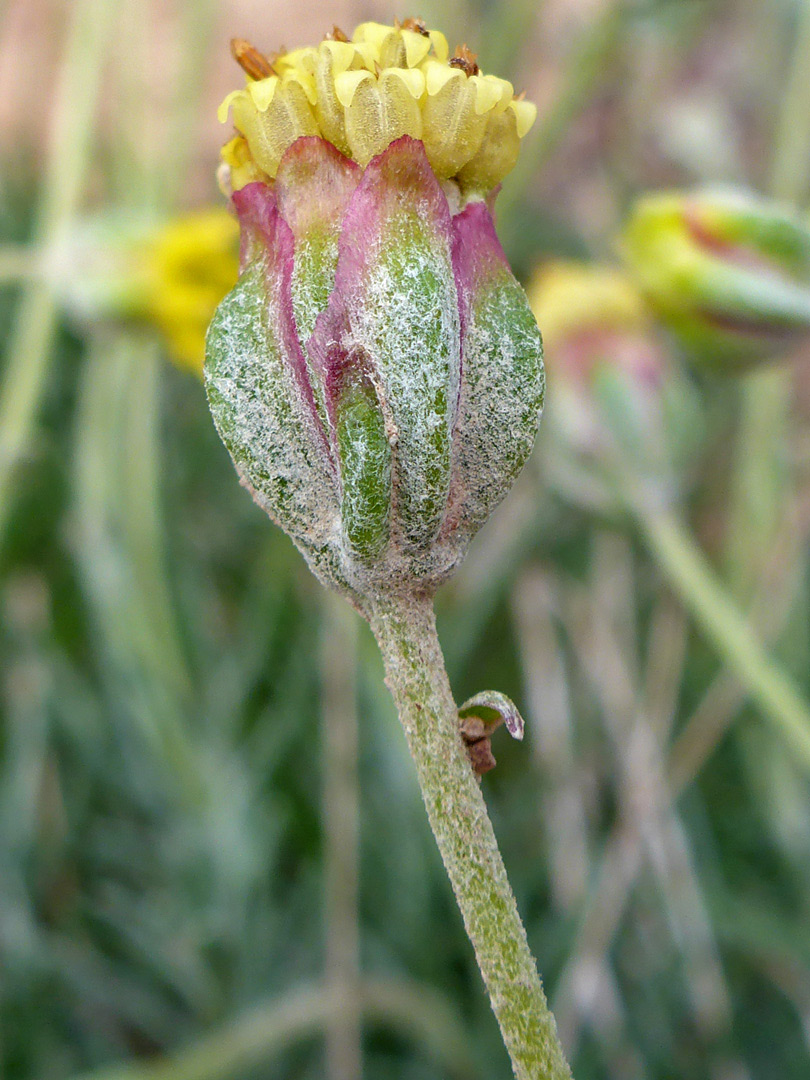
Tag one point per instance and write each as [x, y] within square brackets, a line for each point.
[386, 82]
[190, 264]
[381, 111]
[525, 115]
[305, 81]
[452, 127]
[440, 46]
[223, 110]
[417, 46]
[269, 132]
[342, 55]
[371, 31]
[240, 168]
[412, 78]
[232, 153]
[368, 54]
[437, 75]
[487, 94]
[494, 93]
[263, 91]
[495, 157]
[332, 60]
[346, 85]
[392, 51]
[294, 61]
[372, 34]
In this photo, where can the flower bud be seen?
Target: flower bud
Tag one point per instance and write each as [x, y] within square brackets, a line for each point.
[617, 398]
[377, 373]
[727, 271]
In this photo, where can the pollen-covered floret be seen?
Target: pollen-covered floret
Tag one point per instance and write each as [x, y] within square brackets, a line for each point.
[364, 93]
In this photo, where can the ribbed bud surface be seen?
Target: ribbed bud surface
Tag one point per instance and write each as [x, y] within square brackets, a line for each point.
[377, 373]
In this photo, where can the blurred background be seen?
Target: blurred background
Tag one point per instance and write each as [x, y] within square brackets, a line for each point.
[214, 860]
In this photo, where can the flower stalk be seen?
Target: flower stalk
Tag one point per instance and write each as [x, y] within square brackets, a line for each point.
[405, 629]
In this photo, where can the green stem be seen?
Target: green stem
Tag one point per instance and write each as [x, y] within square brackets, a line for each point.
[117, 551]
[768, 685]
[405, 629]
[792, 142]
[139, 497]
[761, 482]
[760, 485]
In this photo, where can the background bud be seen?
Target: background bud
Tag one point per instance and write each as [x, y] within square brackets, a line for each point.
[617, 397]
[727, 271]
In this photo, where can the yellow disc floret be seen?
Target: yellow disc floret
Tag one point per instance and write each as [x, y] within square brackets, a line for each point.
[362, 94]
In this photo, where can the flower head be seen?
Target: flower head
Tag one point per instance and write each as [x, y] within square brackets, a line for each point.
[590, 313]
[377, 373]
[600, 352]
[363, 93]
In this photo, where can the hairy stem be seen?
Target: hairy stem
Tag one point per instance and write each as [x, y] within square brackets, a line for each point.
[405, 629]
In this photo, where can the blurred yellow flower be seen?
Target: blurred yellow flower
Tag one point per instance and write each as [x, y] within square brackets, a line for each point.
[188, 266]
[169, 275]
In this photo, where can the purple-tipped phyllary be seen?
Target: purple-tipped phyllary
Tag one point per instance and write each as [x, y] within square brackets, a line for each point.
[377, 373]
